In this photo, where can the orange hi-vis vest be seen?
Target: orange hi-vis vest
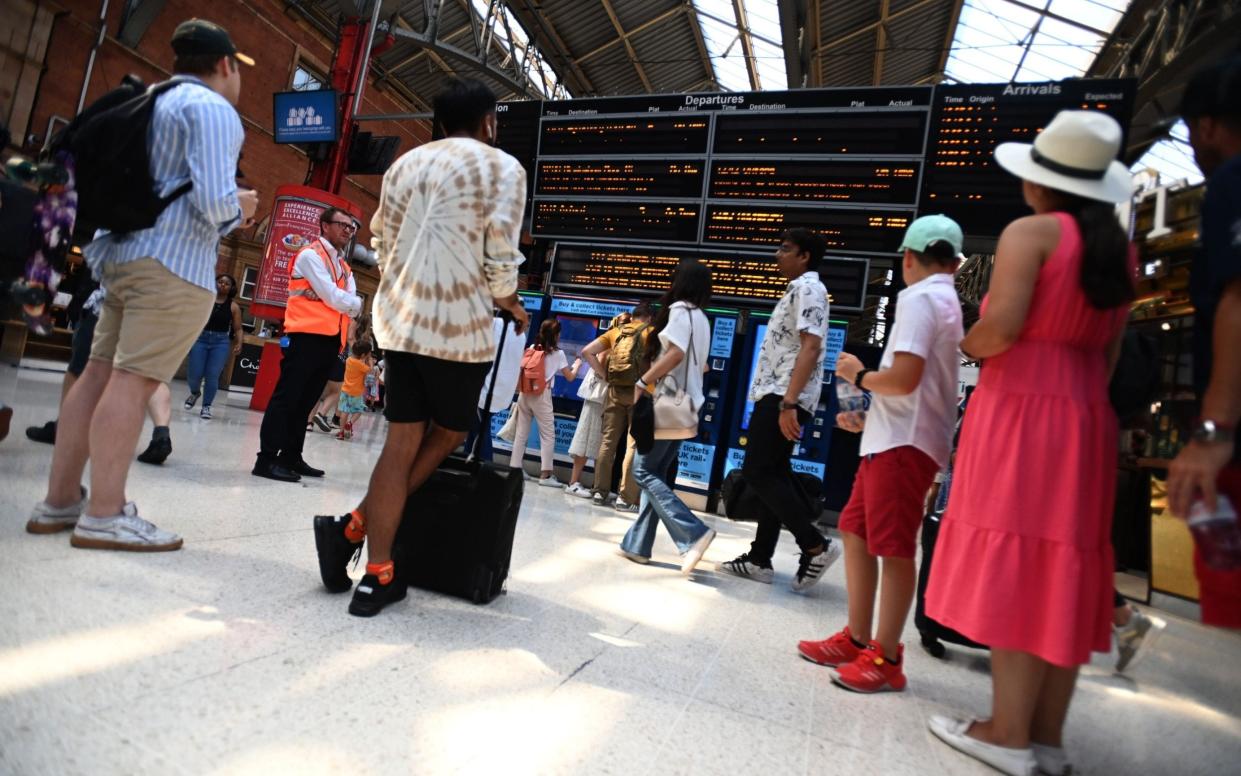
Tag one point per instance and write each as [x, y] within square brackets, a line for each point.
[305, 312]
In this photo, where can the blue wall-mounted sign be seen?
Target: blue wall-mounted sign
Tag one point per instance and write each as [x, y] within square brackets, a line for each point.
[305, 117]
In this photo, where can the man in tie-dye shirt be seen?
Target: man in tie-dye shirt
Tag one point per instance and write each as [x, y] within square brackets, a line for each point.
[446, 232]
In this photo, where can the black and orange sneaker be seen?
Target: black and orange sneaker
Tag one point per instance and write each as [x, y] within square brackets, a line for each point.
[335, 552]
[371, 597]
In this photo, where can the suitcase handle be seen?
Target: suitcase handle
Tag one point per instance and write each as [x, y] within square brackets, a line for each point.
[506, 319]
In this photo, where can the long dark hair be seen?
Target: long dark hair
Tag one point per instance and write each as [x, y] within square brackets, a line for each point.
[691, 283]
[549, 336]
[232, 285]
[1105, 278]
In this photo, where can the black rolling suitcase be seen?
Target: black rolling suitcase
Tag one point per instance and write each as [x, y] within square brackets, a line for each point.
[456, 534]
[932, 632]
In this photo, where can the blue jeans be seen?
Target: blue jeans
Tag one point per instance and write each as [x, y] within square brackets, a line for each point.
[659, 502]
[207, 359]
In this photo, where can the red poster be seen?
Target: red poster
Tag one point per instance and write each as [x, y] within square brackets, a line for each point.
[294, 225]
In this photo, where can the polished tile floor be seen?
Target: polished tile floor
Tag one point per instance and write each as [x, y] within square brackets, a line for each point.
[228, 657]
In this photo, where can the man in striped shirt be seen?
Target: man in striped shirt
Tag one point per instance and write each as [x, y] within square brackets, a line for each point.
[160, 287]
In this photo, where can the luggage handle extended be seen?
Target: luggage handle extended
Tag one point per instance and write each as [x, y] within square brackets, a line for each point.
[507, 319]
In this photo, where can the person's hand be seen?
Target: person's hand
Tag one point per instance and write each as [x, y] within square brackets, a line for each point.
[847, 366]
[851, 421]
[789, 425]
[249, 200]
[1195, 470]
[236, 347]
[521, 318]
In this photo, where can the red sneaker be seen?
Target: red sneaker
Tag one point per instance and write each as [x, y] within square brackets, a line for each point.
[870, 672]
[833, 651]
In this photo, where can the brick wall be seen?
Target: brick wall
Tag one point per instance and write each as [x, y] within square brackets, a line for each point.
[260, 28]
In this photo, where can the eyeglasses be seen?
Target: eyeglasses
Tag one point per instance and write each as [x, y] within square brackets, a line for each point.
[347, 224]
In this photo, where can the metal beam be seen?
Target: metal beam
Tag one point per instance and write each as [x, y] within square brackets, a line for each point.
[1030, 36]
[949, 35]
[633, 55]
[1064, 19]
[696, 25]
[881, 41]
[568, 66]
[747, 44]
[873, 25]
[646, 25]
[449, 51]
[796, 41]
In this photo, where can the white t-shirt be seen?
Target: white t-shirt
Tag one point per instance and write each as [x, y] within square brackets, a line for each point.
[553, 362]
[684, 319]
[928, 325]
[510, 368]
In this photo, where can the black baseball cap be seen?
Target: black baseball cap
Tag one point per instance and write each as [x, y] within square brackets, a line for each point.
[1214, 91]
[199, 36]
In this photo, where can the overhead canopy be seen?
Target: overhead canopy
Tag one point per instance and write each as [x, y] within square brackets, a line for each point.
[577, 48]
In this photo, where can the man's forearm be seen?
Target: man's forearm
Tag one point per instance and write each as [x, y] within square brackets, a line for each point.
[1222, 401]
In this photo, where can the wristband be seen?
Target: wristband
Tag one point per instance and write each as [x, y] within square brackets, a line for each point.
[641, 384]
[857, 381]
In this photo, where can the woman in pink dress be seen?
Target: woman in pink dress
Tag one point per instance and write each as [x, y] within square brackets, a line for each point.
[1024, 557]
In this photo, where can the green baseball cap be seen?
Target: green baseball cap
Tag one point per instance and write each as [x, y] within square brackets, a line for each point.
[932, 229]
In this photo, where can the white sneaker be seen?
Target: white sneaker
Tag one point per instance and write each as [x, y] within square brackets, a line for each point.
[812, 567]
[621, 505]
[125, 531]
[578, 489]
[550, 482]
[46, 520]
[1014, 762]
[633, 556]
[1133, 641]
[1052, 760]
[599, 500]
[695, 553]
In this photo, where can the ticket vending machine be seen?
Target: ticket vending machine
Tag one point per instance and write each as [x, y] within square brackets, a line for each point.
[810, 455]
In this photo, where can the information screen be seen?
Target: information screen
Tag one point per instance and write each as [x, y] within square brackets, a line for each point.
[735, 277]
[617, 220]
[619, 178]
[517, 133]
[851, 231]
[805, 180]
[962, 179]
[843, 132]
[624, 135]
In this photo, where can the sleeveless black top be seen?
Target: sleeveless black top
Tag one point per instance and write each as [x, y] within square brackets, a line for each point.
[221, 319]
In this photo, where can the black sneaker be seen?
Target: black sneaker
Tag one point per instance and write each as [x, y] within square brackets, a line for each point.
[335, 552]
[812, 567]
[45, 433]
[304, 469]
[742, 566]
[370, 597]
[321, 422]
[157, 452]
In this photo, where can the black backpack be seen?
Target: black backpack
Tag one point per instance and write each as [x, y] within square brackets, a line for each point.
[112, 164]
[1136, 379]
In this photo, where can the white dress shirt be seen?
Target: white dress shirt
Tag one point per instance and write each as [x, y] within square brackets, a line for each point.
[308, 265]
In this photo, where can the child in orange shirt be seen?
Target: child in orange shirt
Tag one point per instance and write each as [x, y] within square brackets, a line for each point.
[351, 404]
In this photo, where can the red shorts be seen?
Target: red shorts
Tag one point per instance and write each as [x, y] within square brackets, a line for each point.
[887, 503]
[1219, 592]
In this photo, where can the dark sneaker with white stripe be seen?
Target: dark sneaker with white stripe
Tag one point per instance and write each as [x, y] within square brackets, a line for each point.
[370, 597]
[742, 566]
[812, 567]
[335, 552]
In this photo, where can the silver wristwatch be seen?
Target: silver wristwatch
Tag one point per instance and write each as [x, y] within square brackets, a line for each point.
[1209, 431]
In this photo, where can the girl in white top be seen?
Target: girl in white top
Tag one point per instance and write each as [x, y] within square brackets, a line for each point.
[679, 352]
[537, 407]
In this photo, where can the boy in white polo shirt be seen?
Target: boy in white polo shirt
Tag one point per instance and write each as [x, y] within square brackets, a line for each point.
[907, 439]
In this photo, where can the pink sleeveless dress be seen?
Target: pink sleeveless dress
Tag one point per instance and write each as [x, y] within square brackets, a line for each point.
[1024, 555]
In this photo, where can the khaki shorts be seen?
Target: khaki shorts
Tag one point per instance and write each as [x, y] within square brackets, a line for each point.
[150, 319]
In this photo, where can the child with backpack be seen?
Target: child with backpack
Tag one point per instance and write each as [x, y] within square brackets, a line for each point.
[539, 365]
[352, 403]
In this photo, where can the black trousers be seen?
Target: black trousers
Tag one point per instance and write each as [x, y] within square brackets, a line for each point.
[768, 473]
[304, 371]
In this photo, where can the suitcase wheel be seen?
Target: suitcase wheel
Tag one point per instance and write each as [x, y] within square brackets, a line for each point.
[933, 646]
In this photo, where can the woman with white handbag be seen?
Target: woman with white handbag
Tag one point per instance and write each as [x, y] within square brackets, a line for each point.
[678, 348]
[589, 432]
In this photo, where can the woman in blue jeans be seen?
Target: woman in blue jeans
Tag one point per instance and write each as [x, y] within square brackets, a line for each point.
[679, 353]
[220, 339]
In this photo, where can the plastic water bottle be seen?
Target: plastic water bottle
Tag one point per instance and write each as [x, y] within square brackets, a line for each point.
[1217, 533]
[851, 400]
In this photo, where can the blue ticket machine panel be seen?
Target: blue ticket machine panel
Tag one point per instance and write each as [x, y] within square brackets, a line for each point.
[810, 455]
[697, 466]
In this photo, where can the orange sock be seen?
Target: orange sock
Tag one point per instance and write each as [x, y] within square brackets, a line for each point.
[381, 570]
[356, 530]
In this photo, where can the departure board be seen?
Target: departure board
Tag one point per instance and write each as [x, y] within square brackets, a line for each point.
[809, 180]
[736, 276]
[839, 132]
[624, 135]
[962, 179]
[853, 231]
[517, 133]
[673, 179]
[624, 221]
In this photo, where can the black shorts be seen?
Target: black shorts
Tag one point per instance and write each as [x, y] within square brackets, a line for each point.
[421, 388]
[338, 370]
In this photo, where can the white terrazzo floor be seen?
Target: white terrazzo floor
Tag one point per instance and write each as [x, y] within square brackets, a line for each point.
[228, 657]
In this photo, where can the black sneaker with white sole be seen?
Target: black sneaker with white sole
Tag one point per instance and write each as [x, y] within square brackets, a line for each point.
[742, 566]
[336, 552]
[370, 597]
[811, 568]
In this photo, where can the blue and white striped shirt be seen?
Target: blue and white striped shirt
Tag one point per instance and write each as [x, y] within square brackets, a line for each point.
[195, 135]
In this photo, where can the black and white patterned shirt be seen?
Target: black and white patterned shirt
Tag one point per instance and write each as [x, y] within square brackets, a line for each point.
[803, 308]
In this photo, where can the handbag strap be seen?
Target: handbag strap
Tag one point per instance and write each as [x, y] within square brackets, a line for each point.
[689, 356]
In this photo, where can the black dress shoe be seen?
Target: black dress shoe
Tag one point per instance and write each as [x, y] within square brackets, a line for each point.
[274, 471]
[157, 452]
[302, 468]
[45, 433]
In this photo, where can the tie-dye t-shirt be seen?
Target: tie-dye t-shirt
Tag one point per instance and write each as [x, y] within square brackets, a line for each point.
[446, 233]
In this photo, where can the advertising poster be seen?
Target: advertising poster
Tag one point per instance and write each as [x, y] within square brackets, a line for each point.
[246, 369]
[294, 225]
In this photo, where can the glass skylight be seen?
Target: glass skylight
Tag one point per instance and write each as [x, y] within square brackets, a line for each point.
[1172, 158]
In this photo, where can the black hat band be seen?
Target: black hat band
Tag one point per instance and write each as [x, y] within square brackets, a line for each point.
[1064, 169]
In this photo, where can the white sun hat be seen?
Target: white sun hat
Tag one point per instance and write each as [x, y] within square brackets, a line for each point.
[1075, 153]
